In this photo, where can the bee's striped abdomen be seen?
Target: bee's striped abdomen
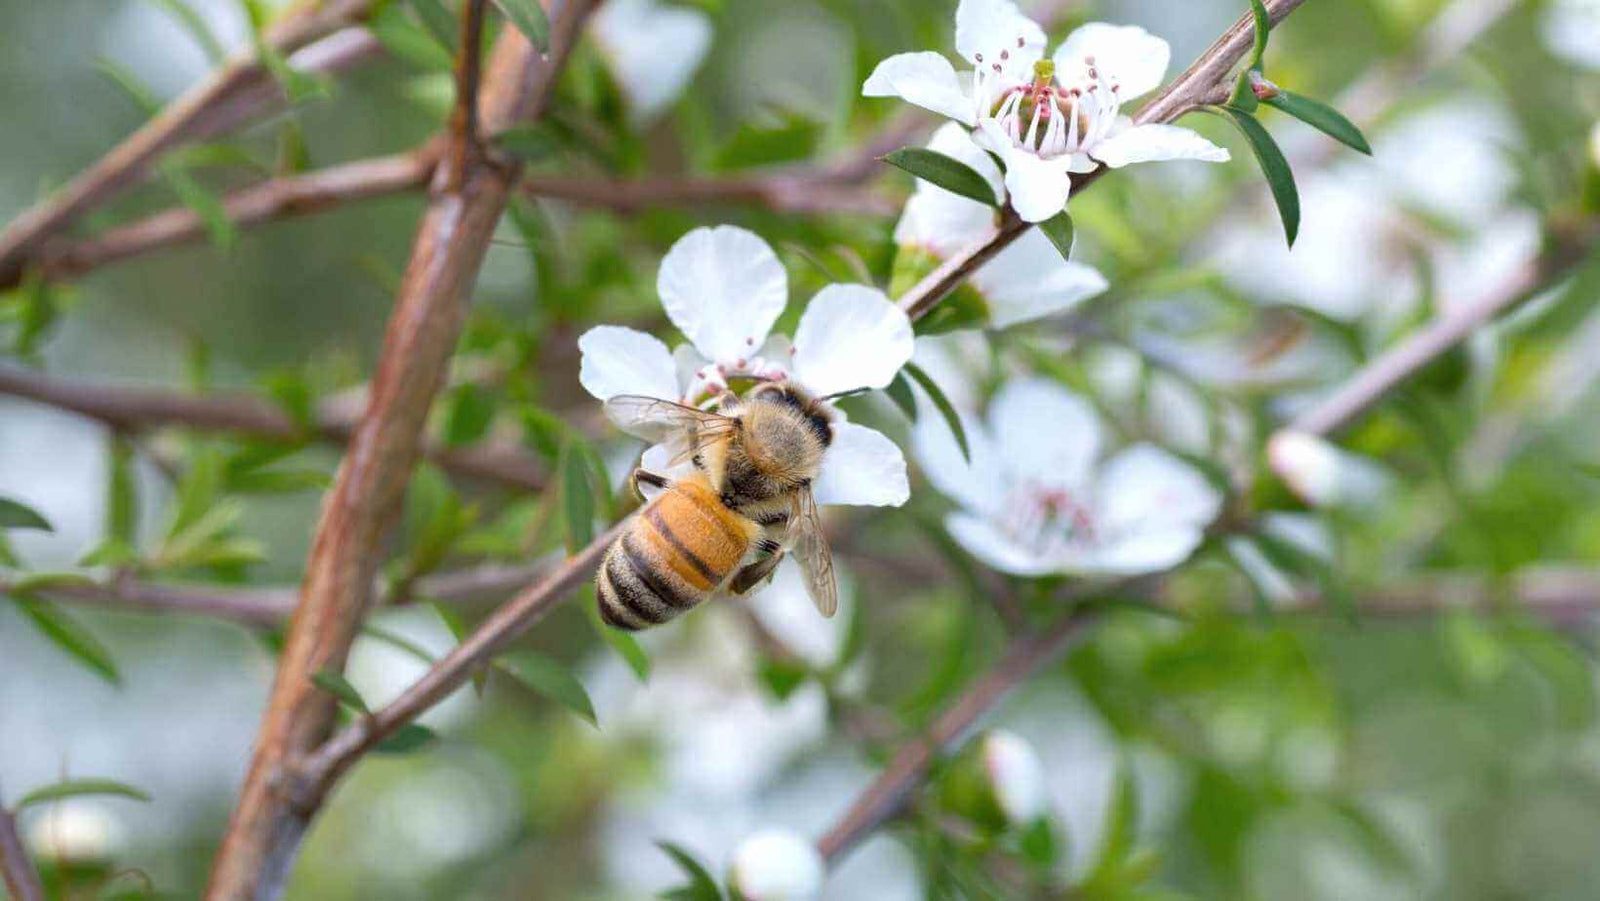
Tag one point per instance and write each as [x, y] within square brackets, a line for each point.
[680, 548]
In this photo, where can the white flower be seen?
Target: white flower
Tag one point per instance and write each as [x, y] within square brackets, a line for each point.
[652, 49]
[1571, 30]
[1037, 498]
[1045, 118]
[724, 288]
[1015, 775]
[1322, 474]
[1026, 281]
[776, 865]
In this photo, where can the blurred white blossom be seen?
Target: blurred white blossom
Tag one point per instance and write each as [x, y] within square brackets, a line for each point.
[1571, 29]
[724, 288]
[1015, 775]
[776, 865]
[1322, 474]
[653, 49]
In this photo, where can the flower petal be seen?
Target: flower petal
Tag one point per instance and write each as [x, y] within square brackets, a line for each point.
[850, 336]
[1039, 188]
[723, 287]
[657, 458]
[941, 221]
[1143, 551]
[998, 32]
[926, 79]
[1146, 489]
[862, 467]
[1029, 281]
[618, 360]
[653, 49]
[978, 485]
[1125, 55]
[1047, 435]
[985, 541]
[1152, 143]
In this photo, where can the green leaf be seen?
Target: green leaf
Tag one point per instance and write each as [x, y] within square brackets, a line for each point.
[782, 677]
[129, 84]
[1263, 23]
[398, 641]
[948, 173]
[946, 409]
[69, 635]
[1295, 560]
[8, 557]
[112, 552]
[16, 515]
[577, 499]
[626, 646]
[471, 411]
[295, 397]
[407, 40]
[1058, 229]
[1323, 118]
[439, 22]
[45, 581]
[701, 886]
[122, 493]
[551, 678]
[334, 683]
[1276, 169]
[408, 738]
[899, 391]
[792, 137]
[39, 310]
[205, 204]
[195, 24]
[530, 19]
[528, 142]
[78, 788]
[458, 630]
[1121, 831]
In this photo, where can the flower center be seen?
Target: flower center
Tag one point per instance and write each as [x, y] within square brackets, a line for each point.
[1047, 519]
[713, 379]
[1048, 118]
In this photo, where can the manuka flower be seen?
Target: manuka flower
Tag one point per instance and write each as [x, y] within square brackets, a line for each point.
[1026, 281]
[1038, 499]
[724, 288]
[1045, 118]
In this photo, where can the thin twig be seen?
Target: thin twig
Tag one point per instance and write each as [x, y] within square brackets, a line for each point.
[887, 795]
[21, 879]
[268, 824]
[234, 93]
[137, 409]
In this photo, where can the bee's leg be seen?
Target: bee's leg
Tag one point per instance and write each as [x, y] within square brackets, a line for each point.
[747, 578]
[646, 477]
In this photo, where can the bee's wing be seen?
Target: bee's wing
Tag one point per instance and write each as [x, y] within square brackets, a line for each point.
[810, 548]
[654, 419]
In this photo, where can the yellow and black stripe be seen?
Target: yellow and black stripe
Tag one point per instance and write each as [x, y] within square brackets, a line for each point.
[676, 553]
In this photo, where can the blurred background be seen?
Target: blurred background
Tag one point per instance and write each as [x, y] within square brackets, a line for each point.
[1380, 688]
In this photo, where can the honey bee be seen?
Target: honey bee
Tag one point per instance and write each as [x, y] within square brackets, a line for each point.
[725, 526]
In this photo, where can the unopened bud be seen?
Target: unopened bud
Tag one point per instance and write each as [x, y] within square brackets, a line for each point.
[775, 865]
[1594, 146]
[1261, 87]
[1322, 474]
[77, 833]
[1015, 775]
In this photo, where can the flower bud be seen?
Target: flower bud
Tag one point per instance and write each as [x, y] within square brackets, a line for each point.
[1261, 87]
[776, 865]
[996, 784]
[77, 834]
[1322, 474]
[1594, 146]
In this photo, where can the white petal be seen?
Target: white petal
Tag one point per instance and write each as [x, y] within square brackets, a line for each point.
[723, 287]
[1029, 281]
[1015, 774]
[982, 539]
[1146, 489]
[1145, 551]
[979, 485]
[657, 458]
[618, 360]
[776, 865]
[1039, 188]
[1152, 143]
[1124, 55]
[862, 467]
[926, 79]
[688, 363]
[850, 336]
[1047, 435]
[956, 142]
[653, 49]
[943, 222]
[995, 27]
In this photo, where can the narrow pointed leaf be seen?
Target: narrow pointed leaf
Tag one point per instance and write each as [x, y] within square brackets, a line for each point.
[946, 409]
[530, 19]
[439, 22]
[70, 636]
[1276, 169]
[16, 515]
[399, 642]
[528, 142]
[701, 886]
[1059, 230]
[551, 678]
[1323, 118]
[129, 84]
[122, 497]
[205, 204]
[577, 499]
[458, 629]
[334, 683]
[408, 738]
[77, 788]
[899, 391]
[195, 24]
[948, 173]
[407, 40]
[1263, 23]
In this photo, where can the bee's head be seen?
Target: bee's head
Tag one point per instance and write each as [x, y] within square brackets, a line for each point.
[785, 431]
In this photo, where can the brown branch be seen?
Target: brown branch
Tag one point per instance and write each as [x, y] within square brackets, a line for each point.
[137, 409]
[1397, 364]
[886, 797]
[469, 194]
[21, 879]
[1196, 86]
[239, 90]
